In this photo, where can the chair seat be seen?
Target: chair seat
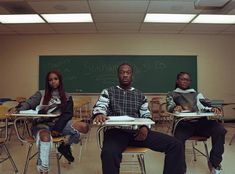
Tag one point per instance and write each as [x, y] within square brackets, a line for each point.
[198, 138]
[136, 150]
[58, 139]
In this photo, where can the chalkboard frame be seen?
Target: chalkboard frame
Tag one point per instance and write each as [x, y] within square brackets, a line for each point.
[152, 73]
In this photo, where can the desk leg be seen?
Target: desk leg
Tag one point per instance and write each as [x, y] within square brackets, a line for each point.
[175, 125]
[230, 143]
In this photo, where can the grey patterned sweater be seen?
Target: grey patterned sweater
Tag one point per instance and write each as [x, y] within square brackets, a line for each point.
[189, 99]
[116, 101]
[65, 115]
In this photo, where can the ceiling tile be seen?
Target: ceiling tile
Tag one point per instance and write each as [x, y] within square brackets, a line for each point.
[205, 28]
[118, 27]
[5, 30]
[3, 10]
[173, 28]
[31, 29]
[118, 17]
[118, 6]
[60, 6]
[74, 28]
[172, 7]
[230, 29]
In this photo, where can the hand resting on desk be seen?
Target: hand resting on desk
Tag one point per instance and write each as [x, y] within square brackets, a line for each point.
[100, 119]
[179, 109]
[217, 111]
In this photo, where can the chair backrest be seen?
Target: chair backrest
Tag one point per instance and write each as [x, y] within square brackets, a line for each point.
[3, 111]
[82, 108]
[162, 109]
[10, 104]
[154, 107]
[20, 99]
[3, 123]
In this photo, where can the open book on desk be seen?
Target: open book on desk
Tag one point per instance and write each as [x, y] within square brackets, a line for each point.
[120, 118]
[30, 111]
[40, 109]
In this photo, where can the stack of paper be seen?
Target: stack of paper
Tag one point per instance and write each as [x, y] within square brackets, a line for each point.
[30, 111]
[121, 118]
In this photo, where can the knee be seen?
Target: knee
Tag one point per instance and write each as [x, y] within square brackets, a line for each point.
[218, 129]
[81, 127]
[45, 135]
[181, 137]
[178, 145]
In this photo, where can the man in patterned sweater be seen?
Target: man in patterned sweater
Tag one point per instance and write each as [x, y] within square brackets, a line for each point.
[126, 100]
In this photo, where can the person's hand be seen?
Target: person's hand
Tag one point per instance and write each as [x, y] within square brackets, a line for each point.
[100, 119]
[141, 134]
[216, 111]
[13, 111]
[178, 109]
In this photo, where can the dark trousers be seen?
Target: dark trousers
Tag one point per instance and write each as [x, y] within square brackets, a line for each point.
[207, 128]
[116, 140]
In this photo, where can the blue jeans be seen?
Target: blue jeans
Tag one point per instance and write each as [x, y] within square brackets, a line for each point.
[45, 147]
[74, 135]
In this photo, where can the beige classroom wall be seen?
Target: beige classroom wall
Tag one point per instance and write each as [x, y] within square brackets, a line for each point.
[19, 57]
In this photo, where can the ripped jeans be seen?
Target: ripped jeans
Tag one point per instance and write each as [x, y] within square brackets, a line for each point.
[44, 148]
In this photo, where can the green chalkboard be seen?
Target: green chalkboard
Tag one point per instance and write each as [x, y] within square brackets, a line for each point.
[91, 74]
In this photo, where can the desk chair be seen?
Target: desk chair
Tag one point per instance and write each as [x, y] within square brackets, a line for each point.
[10, 104]
[30, 141]
[82, 112]
[165, 117]
[195, 139]
[4, 137]
[154, 107]
[139, 152]
[82, 107]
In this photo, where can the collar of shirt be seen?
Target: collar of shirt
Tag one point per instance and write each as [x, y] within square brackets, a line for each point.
[131, 89]
[184, 91]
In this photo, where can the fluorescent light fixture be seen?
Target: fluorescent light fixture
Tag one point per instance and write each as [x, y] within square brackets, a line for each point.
[21, 19]
[168, 18]
[67, 18]
[215, 19]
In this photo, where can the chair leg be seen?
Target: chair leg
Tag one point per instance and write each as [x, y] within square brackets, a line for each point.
[230, 143]
[206, 150]
[141, 163]
[27, 159]
[206, 154]
[80, 150]
[58, 156]
[194, 151]
[10, 158]
[58, 162]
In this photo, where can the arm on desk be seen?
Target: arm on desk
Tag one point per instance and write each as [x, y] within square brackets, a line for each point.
[100, 119]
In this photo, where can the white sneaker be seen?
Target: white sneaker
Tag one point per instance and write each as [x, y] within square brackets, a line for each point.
[217, 170]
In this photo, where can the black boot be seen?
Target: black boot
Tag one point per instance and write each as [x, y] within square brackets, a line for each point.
[65, 150]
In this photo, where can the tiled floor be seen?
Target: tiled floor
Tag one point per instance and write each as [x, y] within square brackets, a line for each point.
[90, 161]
